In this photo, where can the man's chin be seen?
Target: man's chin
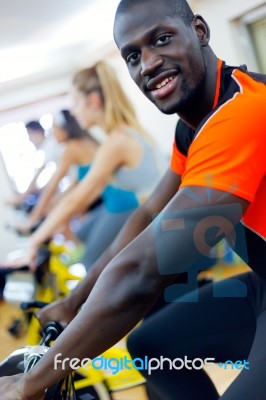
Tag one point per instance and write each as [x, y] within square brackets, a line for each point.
[167, 110]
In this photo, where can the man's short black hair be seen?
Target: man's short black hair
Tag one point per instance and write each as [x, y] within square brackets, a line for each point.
[179, 8]
[34, 126]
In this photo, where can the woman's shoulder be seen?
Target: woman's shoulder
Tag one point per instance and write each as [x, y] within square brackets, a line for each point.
[126, 133]
[71, 147]
[81, 143]
[117, 137]
[76, 149]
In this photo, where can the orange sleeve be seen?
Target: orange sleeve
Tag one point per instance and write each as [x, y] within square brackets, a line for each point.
[228, 153]
[178, 161]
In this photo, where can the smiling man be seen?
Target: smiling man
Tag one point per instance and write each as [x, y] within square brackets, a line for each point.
[180, 61]
[215, 188]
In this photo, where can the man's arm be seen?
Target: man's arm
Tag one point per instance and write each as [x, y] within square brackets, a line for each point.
[133, 280]
[49, 191]
[65, 162]
[20, 197]
[140, 219]
[32, 186]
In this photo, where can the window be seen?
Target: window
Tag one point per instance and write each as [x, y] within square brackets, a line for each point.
[257, 31]
[251, 31]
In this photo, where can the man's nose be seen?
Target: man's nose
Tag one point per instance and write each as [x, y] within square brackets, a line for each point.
[150, 61]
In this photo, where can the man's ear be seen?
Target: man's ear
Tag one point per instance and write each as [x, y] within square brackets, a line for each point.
[202, 30]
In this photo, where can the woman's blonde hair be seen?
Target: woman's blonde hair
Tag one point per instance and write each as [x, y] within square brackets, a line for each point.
[119, 110]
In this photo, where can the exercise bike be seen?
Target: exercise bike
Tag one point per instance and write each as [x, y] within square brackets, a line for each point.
[52, 278]
[25, 358]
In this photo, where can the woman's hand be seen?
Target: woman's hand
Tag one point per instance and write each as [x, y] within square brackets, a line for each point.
[23, 227]
[22, 258]
[15, 200]
[14, 388]
[59, 311]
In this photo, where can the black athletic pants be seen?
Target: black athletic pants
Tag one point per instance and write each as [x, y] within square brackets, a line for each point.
[228, 322]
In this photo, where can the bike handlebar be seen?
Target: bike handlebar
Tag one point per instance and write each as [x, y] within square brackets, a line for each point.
[27, 305]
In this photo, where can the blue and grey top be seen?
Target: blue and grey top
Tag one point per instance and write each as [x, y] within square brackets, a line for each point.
[82, 171]
[131, 186]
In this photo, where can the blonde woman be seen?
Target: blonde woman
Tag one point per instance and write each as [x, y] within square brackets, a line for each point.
[125, 169]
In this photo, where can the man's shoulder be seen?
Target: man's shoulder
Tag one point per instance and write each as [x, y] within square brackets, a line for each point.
[227, 103]
[229, 83]
[242, 98]
[258, 77]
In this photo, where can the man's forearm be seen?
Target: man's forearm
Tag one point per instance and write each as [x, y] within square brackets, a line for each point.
[32, 186]
[139, 220]
[107, 315]
[133, 227]
[133, 280]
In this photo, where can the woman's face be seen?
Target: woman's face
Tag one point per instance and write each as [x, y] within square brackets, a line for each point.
[60, 134]
[82, 109]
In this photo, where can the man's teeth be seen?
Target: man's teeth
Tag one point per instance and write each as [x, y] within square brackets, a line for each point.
[163, 83]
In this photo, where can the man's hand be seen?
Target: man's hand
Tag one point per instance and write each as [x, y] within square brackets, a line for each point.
[13, 388]
[59, 311]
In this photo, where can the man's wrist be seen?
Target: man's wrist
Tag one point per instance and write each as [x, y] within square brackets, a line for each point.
[75, 300]
[28, 386]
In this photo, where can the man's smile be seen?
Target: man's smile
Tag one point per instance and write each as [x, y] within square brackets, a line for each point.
[163, 84]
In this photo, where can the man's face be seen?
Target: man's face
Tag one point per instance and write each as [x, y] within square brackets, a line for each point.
[35, 137]
[163, 55]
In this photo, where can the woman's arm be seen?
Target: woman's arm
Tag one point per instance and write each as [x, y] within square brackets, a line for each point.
[107, 159]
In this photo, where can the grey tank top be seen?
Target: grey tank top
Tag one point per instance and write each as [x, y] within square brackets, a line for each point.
[143, 178]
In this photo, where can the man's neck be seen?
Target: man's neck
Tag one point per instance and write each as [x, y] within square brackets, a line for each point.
[203, 104]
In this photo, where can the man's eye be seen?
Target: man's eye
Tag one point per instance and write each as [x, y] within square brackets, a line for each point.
[133, 57]
[164, 39]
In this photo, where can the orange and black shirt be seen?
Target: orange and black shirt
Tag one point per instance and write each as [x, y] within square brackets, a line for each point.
[228, 152]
